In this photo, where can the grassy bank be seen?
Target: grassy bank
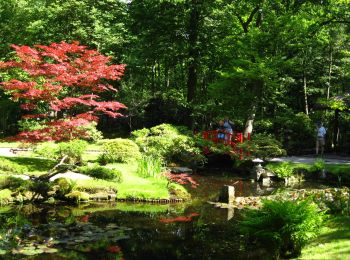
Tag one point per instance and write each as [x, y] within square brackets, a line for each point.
[132, 186]
[332, 243]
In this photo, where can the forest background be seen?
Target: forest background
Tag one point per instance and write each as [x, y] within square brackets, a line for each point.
[272, 66]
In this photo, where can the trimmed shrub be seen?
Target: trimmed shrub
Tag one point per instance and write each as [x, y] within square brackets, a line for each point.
[170, 143]
[119, 150]
[283, 225]
[100, 172]
[73, 149]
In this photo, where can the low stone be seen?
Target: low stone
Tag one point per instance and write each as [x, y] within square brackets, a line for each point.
[180, 170]
[227, 194]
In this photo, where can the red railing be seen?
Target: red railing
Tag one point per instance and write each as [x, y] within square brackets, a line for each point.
[229, 140]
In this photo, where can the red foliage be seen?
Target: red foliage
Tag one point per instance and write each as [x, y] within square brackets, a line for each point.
[181, 178]
[62, 77]
[85, 218]
[179, 219]
[114, 249]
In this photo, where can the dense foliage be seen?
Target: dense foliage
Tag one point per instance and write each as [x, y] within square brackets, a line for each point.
[284, 226]
[119, 150]
[101, 172]
[169, 143]
[285, 65]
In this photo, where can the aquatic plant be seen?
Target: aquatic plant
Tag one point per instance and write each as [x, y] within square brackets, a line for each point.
[150, 167]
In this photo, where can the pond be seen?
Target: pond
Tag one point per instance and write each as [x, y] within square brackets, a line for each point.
[195, 230]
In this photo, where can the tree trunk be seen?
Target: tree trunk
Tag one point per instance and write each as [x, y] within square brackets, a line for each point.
[330, 72]
[305, 94]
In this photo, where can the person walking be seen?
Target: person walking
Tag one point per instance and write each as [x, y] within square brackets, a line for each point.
[320, 139]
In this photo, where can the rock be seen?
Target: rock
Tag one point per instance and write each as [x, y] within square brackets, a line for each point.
[257, 171]
[180, 170]
[266, 181]
[227, 194]
[78, 196]
[71, 175]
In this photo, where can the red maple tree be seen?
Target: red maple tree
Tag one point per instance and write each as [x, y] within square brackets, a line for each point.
[60, 85]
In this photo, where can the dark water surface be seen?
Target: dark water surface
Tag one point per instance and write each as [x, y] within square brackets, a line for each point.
[194, 230]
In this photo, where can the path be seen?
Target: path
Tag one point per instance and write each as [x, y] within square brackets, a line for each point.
[328, 158]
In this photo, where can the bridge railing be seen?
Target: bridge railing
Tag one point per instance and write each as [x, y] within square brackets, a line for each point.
[228, 139]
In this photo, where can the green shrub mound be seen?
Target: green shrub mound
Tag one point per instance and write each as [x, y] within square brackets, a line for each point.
[119, 150]
[283, 225]
[100, 172]
[73, 149]
[170, 143]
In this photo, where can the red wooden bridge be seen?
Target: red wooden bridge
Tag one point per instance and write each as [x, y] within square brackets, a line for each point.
[228, 140]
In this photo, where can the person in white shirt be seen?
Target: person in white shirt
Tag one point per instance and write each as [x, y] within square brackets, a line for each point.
[320, 139]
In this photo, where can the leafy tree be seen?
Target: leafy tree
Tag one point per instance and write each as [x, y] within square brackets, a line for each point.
[58, 84]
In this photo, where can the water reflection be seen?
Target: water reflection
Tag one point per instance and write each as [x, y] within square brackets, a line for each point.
[194, 230]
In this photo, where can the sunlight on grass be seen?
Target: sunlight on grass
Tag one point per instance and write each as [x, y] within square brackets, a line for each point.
[35, 166]
[332, 243]
[134, 186]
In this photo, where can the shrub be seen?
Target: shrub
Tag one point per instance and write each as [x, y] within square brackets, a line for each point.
[282, 170]
[92, 134]
[64, 186]
[101, 172]
[150, 167]
[8, 166]
[284, 225]
[170, 143]
[119, 150]
[318, 165]
[5, 196]
[73, 149]
[263, 146]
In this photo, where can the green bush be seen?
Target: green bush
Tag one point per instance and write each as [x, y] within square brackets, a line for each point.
[263, 146]
[119, 150]
[7, 166]
[92, 134]
[14, 183]
[295, 131]
[150, 167]
[101, 172]
[283, 225]
[170, 143]
[282, 170]
[318, 165]
[73, 149]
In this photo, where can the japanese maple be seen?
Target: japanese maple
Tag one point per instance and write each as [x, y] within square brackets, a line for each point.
[61, 85]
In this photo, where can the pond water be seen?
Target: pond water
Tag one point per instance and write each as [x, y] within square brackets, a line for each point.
[195, 230]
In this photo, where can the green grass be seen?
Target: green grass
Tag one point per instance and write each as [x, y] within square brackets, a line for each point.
[134, 186]
[9, 144]
[332, 243]
[35, 166]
